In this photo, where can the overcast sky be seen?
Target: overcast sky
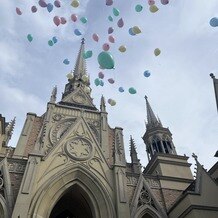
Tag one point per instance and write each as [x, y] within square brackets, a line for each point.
[179, 89]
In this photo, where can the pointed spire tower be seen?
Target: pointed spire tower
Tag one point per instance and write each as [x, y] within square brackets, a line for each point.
[77, 90]
[9, 131]
[157, 138]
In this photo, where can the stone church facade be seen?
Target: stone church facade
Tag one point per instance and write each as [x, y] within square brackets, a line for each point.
[69, 163]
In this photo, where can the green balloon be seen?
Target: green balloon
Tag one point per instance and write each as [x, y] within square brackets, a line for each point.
[138, 8]
[116, 12]
[106, 60]
[97, 82]
[29, 37]
[89, 54]
[50, 43]
[83, 19]
[110, 18]
[132, 90]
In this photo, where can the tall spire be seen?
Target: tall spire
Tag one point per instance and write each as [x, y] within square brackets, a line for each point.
[9, 131]
[53, 95]
[80, 66]
[152, 120]
[103, 106]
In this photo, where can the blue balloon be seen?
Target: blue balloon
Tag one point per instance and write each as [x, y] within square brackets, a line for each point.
[147, 73]
[66, 61]
[121, 89]
[49, 7]
[54, 39]
[131, 32]
[77, 32]
[101, 83]
[214, 22]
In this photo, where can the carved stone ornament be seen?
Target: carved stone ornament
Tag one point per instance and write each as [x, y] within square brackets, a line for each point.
[57, 117]
[1, 183]
[79, 149]
[79, 98]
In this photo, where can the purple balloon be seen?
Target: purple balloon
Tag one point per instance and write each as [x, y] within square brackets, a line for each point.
[42, 3]
[34, 9]
[111, 81]
[110, 30]
[164, 2]
[106, 47]
[57, 3]
[120, 23]
[18, 11]
[63, 20]
[151, 2]
[74, 17]
[109, 2]
[111, 39]
[57, 20]
[101, 75]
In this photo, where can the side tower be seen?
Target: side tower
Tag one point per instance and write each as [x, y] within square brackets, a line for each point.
[172, 169]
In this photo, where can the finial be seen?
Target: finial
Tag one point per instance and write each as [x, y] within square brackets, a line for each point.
[146, 97]
[212, 76]
[195, 156]
[83, 41]
[53, 95]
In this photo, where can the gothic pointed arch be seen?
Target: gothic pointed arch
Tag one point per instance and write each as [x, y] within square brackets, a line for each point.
[144, 202]
[3, 207]
[93, 191]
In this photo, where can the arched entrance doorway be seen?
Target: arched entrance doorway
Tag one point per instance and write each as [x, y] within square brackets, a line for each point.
[147, 216]
[75, 203]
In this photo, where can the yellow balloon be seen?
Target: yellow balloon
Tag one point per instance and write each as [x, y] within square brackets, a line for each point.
[136, 30]
[87, 90]
[112, 102]
[157, 51]
[153, 8]
[70, 76]
[122, 48]
[75, 3]
[85, 78]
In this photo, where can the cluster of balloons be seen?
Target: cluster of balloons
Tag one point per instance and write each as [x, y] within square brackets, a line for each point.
[134, 30]
[66, 61]
[59, 20]
[214, 22]
[98, 82]
[52, 41]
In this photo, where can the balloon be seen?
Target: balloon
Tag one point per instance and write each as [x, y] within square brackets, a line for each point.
[77, 32]
[75, 3]
[111, 39]
[110, 30]
[106, 46]
[34, 9]
[122, 48]
[113, 102]
[57, 20]
[110, 18]
[85, 78]
[42, 3]
[83, 19]
[18, 11]
[111, 81]
[66, 61]
[54, 39]
[97, 81]
[49, 7]
[70, 76]
[116, 12]
[95, 37]
[214, 22]
[151, 2]
[138, 8]
[50, 43]
[88, 54]
[57, 3]
[153, 8]
[109, 100]
[74, 17]
[157, 51]
[87, 90]
[136, 30]
[147, 73]
[121, 89]
[109, 2]
[164, 2]
[63, 20]
[101, 83]
[131, 32]
[120, 23]
[106, 60]
[132, 90]
[29, 37]
[101, 75]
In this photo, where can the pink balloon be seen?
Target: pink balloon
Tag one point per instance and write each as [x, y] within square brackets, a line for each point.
[74, 17]
[106, 46]
[95, 37]
[63, 20]
[120, 23]
[110, 30]
[109, 2]
[164, 2]
[42, 3]
[18, 11]
[111, 81]
[111, 39]
[34, 9]
[57, 3]
[101, 75]
[57, 20]
[151, 2]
